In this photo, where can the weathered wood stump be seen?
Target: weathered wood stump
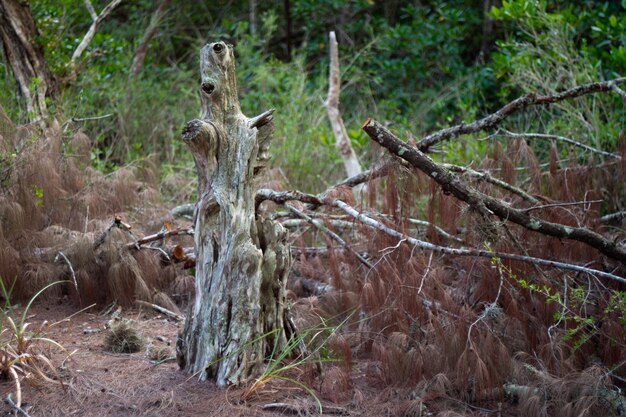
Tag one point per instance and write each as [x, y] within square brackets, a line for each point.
[242, 262]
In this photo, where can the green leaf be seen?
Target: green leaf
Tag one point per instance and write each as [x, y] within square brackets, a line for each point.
[613, 21]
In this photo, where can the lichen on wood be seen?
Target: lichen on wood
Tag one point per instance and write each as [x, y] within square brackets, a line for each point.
[238, 315]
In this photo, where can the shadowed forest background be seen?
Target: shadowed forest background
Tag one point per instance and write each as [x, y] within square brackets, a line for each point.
[389, 328]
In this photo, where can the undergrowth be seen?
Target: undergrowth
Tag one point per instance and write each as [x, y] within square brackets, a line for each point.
[25, 352]
[52, 201]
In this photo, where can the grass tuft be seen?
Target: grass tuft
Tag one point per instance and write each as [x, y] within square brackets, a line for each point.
[123, 337]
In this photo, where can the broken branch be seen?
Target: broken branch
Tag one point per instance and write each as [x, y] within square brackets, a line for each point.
[479, 201]
[368, 221]
[93, 28]
[516, 105]
[342, 141]
[162, 310]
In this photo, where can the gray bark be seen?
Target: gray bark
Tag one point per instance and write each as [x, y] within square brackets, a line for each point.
[24, 55]
[238, 315]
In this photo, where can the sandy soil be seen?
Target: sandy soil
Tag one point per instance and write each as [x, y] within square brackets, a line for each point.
[100, 383]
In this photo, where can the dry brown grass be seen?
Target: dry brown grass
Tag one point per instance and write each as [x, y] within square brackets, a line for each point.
[51, 200]
[123, 337]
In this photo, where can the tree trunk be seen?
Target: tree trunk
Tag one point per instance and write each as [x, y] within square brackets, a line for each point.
[142, 49]
[242, 262]
[25, 57]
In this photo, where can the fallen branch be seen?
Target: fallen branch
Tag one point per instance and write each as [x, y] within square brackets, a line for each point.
[470, 252]
[162, 310]
[516, 105]
[334, 236]
[479, 201]
[506, 133]
[485, 176]
[161, 235]
[613, 217]
[69, 264]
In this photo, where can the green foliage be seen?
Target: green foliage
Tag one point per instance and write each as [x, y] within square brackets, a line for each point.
[300, 147]
[420, 67]
[550, 51]
[576, 303]
[22, 352]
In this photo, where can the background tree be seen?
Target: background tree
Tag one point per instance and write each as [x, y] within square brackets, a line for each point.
[25, 57]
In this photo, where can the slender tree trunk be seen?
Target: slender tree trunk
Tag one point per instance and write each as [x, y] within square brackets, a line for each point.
[142, 49]
[241, 262]
[253, 14]
[25, 57]
[342, 140]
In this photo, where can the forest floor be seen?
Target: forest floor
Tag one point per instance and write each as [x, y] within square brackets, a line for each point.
[101, 383]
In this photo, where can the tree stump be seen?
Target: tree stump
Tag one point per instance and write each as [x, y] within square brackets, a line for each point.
[238, 315]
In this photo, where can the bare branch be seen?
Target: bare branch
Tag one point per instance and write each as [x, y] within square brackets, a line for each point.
[342, 141]
[91, 10]
[470, 252]
[618, 90]
[515, 106]
[93, 29]
[281, 197]
[485, 176]
[557, 138]
[334, 236]
[450, 183]
[69, 264]
[162, 310]
[142, 49]
[161, 235]
[613, 217]
[573, 203]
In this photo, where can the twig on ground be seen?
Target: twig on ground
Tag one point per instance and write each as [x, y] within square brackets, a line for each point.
[16, 407]
[69, 264]
[296, 409]
[160, 309]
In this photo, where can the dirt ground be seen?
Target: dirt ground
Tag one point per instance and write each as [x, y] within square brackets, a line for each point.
[100, 383]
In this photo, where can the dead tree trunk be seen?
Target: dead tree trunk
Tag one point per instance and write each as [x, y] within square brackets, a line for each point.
[242, 262]
[18, 34]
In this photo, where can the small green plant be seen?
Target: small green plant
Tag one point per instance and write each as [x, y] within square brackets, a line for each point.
[308, 346]
[21, 349]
